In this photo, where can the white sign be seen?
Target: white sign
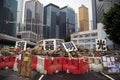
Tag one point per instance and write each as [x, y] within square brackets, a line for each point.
[49, 45]
[21, 44]
[69, 46]
[101, 45]
[104, 58]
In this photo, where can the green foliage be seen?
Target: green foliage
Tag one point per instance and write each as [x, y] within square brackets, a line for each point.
[112, 23]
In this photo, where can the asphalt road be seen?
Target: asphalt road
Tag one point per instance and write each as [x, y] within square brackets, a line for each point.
[11, 75]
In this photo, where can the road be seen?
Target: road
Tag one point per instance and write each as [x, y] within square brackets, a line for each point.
[11, 75]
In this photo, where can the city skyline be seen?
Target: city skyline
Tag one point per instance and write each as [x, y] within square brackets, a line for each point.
[73, 4]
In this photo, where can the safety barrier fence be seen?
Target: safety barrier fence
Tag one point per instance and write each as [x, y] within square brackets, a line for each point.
[51, 65]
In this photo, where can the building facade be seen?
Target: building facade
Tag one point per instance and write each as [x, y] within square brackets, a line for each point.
[62, 26]
[99, 7]
[70, 20]
[83, 18]
[76, 22]
[87, 39]
[58, 22]
[33, 21]
[8, 16]
[20, 15]
[51, 21]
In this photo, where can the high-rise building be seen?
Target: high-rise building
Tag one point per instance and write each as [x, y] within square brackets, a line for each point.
[70, 20]
[76, 22]
[33, 21]
[8, 17]
[20, 15]
[62, 26]
[59, 22]
[99, 7]
[51, 21]
[83, 18]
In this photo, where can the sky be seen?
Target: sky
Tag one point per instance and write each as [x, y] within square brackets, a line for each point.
[75, 4]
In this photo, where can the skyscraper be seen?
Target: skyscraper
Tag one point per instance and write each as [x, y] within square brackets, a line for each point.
[83, 18]
[62, 26]
[33, 21]
[59, 22]
[70, 20]
[8, 16]
[51, 21]
[20, 14]
[99, 7]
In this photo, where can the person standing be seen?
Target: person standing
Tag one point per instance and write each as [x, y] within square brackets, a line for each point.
[26, 69]
[19, 60]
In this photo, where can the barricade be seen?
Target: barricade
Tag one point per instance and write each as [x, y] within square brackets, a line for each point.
[9, 62]
[1, 59]
[34, 62]
[57, 63]
[2, 63]
[15, 66]
[83, 65]
[40, 65]
[48, 66]
[95, 64]
[74, 68]
[66, 63]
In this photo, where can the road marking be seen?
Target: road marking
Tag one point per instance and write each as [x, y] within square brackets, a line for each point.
[107, 76]
[41, 77]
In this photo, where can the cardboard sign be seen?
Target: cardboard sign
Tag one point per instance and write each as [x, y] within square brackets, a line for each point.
[104, 58]
[49, 45]
[101, 45]
[21, 44]
[69, 46]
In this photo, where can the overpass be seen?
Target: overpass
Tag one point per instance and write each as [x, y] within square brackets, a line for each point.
[10, 40]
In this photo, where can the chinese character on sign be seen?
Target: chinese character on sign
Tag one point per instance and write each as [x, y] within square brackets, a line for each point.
[101, 45]
[21, 45]
[49, 45]
[69, 46]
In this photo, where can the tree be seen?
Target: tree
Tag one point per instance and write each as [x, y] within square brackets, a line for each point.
[111, 23]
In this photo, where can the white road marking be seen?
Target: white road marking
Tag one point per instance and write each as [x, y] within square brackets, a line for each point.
[41, 77]
[108, 76]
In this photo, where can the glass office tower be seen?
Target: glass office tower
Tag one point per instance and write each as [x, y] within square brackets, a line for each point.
[8, 17]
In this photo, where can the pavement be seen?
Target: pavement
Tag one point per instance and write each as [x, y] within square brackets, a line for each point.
[12, 75]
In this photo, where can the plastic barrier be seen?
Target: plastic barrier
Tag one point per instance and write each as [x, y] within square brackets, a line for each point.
[15, 66]
[74, 68]
[1, 59]
[6, 62]
[96, 65]
[2, 63]
[34, 63]
[40, 65]
[57, 63]
[84, 66]
[48, 66]
[64, 63]
[9, 61]
[68, 67]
